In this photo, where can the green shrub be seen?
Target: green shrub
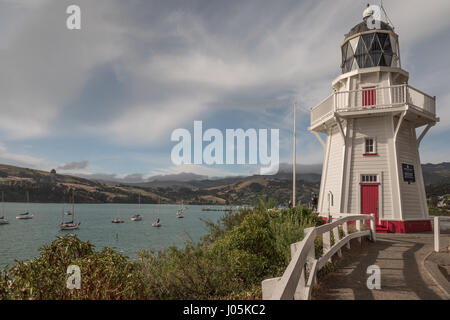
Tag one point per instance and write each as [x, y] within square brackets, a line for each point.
[105, 274]
[230, 262]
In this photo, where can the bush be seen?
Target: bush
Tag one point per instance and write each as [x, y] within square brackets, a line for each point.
[229, 263]
[105, 274]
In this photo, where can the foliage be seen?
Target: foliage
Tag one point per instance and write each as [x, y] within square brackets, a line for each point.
[239, 252]
[106, 274]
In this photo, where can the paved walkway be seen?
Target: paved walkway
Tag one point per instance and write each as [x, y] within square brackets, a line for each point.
[403, 274]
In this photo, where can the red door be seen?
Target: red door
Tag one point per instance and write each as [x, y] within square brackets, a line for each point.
[369, 96]
[369, 199]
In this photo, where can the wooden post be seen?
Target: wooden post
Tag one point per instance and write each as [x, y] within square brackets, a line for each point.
[373, 231]
[358, 228]
[345, 229]
[336, 239]
[326, 242]
[437, 244]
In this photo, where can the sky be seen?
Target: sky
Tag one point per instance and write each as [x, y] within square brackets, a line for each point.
[105, 99]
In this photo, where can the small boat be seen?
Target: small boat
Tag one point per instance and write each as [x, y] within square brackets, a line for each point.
[3, 220]
[136, 217]
[71, 225]
[117, 220]
[156, 224]
[25, 215]
[181, 211]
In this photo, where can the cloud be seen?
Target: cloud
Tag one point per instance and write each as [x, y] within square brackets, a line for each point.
[20, 159]
[76, 165]
[138, 70]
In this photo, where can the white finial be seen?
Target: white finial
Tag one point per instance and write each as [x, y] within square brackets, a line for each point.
[368, 12]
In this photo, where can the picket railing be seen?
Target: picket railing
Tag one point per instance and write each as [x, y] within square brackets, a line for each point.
[437, 232]
[300, 275]
[367, 100]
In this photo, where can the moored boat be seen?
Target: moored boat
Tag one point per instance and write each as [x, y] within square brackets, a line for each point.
[117, 220]
[25, 215]
[136, 217]
[71, 225]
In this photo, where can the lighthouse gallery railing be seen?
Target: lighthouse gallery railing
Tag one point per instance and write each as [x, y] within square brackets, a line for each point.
[300, 275]
[373, 98]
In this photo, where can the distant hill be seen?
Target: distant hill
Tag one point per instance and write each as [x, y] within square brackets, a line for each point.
[52, 187]
[436, 173]
[192, 189]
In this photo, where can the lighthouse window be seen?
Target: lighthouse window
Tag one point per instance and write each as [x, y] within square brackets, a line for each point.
[369, 178]
[370, 146]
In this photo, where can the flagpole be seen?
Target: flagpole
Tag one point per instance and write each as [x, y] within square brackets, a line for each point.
[294, 162]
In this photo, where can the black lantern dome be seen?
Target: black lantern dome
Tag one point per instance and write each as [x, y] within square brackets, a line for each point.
[366, 48]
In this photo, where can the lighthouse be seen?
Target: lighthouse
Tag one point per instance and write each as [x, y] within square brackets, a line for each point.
[374, 122]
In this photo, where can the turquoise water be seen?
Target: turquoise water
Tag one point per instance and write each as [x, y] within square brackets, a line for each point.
[21, 239]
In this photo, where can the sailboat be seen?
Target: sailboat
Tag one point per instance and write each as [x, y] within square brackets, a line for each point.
[3, 220]
[27, 214]
[137, 217]
[117, 219]
[71, 225]
[157, 223]
[181, 211]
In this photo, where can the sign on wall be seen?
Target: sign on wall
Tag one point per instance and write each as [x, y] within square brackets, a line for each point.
[408, 173]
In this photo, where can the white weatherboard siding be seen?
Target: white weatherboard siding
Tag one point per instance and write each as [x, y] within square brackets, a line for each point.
[332, 172]
[411, 194]
[373, 127]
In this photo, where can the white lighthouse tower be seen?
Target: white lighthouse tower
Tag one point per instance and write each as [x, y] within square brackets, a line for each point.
[374, 122]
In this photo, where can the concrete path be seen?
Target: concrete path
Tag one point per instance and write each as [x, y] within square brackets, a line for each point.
[403, 273]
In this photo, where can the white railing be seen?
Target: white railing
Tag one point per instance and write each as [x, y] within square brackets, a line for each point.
[420, 100]
[369, 99]
[437, 231]
[324, 109]
[300, 275]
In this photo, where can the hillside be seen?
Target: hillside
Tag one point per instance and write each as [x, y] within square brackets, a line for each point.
[43, 186]
[52, 187]
[434, 174]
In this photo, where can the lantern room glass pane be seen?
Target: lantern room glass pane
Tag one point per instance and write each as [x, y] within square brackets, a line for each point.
[344, 52]
[376, 44]
[361, 49]
[387, 47]
[368, 38]
[382, 38]
[376, 58]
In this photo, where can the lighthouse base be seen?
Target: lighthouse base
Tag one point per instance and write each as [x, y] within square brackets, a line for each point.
[399, 226]
[404, 226]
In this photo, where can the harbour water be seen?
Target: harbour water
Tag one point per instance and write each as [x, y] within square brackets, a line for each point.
[21, 239]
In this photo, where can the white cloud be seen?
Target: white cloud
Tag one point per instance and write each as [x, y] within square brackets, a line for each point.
[20, 159]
